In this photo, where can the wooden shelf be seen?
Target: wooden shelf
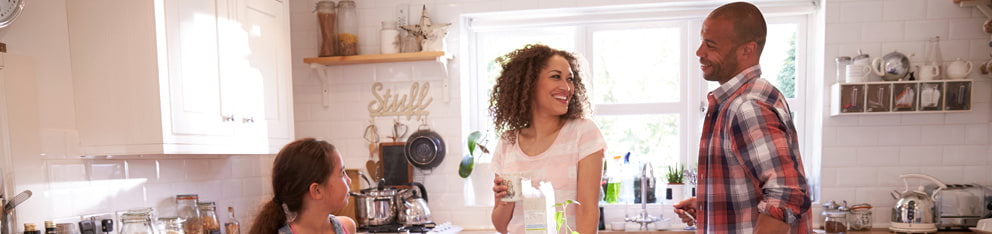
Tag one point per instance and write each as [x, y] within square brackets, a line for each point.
[874, 98]
[376, 58]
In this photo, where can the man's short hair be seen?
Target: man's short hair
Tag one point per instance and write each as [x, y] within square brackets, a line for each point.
[748, 22]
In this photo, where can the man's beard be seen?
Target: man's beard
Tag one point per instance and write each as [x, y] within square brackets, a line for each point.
[725, 69]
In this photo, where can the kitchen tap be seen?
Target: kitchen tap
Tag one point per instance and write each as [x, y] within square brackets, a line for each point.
[647, 181]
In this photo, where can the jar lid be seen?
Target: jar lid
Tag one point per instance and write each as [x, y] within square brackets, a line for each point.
[187, 197]
[835, 214]
[843, 59]
[346, 3]
[324, 4]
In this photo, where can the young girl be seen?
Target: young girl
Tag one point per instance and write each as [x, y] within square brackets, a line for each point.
[308, 182]
[538, 103]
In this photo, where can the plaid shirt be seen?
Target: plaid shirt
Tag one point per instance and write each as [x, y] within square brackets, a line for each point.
[749, 161]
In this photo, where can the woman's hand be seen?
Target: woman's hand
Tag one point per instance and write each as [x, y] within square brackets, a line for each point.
[499, 190]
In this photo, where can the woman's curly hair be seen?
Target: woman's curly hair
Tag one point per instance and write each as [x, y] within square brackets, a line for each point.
[510, 103]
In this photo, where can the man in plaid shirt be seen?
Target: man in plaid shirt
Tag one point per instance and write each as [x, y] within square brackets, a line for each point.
[751, 177]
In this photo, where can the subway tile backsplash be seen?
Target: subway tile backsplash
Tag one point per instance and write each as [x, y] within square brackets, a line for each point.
[99, 186]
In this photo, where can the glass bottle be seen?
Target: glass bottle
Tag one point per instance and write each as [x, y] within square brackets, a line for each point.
[232, 226]
[327, 21]
[171, 225]
[613, 180]
[389, 38]
[186, 209]
[136, 222]
[347, 28]
[842, 63]
[30, 228]
[208, 216]
[934, 57]
[49, 227]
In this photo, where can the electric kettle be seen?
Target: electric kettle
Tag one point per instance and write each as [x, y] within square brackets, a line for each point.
[915, 211]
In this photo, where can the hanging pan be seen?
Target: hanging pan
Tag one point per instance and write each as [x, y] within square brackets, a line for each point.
[425, 149]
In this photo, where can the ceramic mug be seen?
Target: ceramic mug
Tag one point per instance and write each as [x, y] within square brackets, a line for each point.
[958, 69]
[928, 72]
[514, 190]
[858, 73]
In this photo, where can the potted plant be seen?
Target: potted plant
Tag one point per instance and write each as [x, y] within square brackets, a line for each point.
[476, 142]
[675, 175]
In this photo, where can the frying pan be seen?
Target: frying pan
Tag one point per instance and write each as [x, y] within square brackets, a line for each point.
[425, 149]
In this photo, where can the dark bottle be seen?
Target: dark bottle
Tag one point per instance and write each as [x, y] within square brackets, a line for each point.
[49, 227]
[30, 228]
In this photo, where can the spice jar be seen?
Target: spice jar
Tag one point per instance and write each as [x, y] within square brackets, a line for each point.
[186, 208]
[860, 217]
[327, 21]
[347, 28]
[208, 216]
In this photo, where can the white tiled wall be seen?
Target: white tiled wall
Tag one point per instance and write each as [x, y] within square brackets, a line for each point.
[864, 155]
[82, 187]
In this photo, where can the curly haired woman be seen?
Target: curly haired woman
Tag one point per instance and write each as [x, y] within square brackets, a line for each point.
[538, 104]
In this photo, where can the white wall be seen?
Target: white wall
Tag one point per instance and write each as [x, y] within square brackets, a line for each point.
[864, 155]
[44, 145]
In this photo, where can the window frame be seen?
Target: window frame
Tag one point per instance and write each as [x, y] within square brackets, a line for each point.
[692, 87]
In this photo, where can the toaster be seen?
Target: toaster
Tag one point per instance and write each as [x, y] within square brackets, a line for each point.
[960, 206]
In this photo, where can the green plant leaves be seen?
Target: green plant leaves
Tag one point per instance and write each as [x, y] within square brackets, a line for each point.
[466, 166]
[473, 140]
[559, 219]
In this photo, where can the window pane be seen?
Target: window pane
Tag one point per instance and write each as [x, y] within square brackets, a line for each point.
[778, 59]
[495, 44]
[651, 137]
[636, 65]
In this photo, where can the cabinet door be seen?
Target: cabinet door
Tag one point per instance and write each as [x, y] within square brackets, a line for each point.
[193, 75]
[264, 75]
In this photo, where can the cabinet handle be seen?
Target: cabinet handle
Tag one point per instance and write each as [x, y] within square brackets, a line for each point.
[248, 120]
[227, 118]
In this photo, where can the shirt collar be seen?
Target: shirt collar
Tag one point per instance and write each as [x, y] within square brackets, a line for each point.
[727, 89]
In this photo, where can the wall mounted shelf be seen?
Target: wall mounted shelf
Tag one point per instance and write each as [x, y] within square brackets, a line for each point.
[901, 97]
[377, 58]
[320, 65]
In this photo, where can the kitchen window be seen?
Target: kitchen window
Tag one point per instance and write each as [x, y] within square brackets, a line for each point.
[642, 73]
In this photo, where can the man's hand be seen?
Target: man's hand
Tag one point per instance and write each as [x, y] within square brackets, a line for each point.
[686, 209]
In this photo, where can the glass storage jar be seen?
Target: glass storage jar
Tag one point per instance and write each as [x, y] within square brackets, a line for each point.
[136, 222]
[347, 28]
[860, 217]
[170, 225]
[208, 216]
[835, 222]
[327, 21]
[187, 211]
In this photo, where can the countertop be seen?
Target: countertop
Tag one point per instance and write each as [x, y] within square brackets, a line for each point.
[872, 231]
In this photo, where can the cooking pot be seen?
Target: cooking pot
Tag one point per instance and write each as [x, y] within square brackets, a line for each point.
[413, 206]
[375, 206]
[915, 211]
[425, 149]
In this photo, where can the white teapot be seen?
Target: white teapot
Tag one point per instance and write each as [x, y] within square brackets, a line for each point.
[958, 69]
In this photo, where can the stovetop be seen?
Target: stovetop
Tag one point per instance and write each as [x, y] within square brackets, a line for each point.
[398, 228]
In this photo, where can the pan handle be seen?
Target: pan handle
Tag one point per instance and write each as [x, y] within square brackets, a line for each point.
[366, 178]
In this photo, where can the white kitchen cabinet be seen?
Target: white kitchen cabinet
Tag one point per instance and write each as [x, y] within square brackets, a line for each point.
[181, 76]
